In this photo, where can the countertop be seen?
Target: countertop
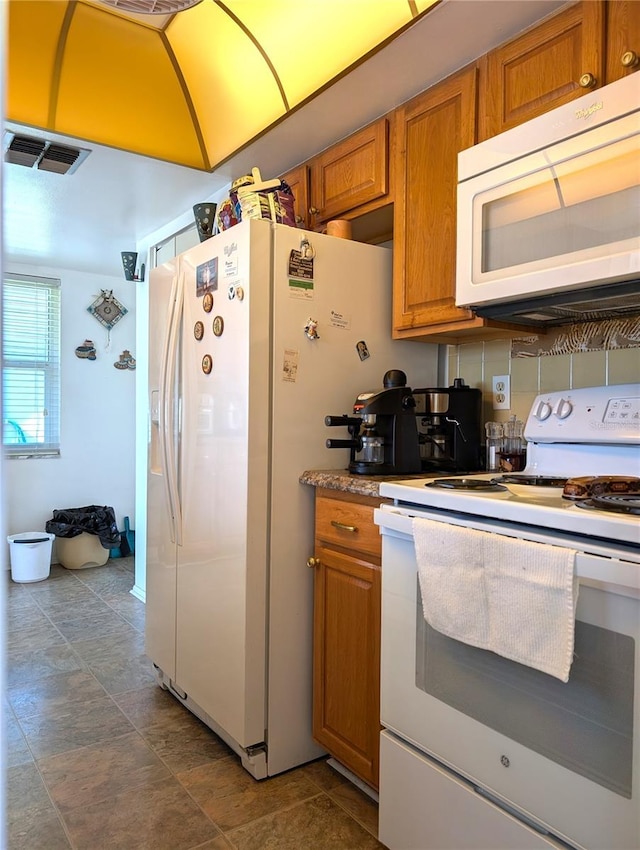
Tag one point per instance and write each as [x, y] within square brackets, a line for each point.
[342, 479]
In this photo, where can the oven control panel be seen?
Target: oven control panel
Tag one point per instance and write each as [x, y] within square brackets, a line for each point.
[586, 415]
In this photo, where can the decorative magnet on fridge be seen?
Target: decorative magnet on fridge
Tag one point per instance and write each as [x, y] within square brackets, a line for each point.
[311, 329]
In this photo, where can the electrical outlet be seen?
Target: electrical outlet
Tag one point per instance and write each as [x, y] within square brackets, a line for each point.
[501, 392]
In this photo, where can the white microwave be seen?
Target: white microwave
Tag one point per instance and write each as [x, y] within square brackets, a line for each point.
[548, 227]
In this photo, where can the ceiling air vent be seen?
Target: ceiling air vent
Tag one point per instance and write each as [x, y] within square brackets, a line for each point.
[39, 153]
[151, 7]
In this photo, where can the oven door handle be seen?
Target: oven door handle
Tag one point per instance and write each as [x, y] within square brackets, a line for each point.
[611, 574]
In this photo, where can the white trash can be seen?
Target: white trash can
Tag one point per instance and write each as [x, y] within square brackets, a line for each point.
[30, 554]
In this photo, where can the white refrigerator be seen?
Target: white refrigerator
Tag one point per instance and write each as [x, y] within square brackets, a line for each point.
[240, 382]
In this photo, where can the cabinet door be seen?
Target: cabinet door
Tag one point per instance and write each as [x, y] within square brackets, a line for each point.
[623, 38]
[550, 64]
[350, 173]
[346, 663]
[298, 180]
[431, 129]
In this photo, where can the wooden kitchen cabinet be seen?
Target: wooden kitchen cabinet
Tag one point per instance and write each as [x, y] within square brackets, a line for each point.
[298, 180]
[346, 651]
[622, 39]
[430, 131]
[351, 175]
[553, 63]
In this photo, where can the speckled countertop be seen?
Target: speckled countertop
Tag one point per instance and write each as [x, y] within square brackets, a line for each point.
[342, 479]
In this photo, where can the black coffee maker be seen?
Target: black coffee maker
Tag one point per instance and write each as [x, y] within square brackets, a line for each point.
[449, 423]
[384, 435]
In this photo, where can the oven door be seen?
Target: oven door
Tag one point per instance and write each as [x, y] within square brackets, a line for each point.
[565, 756]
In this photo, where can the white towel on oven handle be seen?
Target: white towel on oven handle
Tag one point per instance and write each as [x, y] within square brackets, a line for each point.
[514, 597]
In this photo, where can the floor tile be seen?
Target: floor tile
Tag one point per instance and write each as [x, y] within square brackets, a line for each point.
[92, 606]
[129, 608]
[83, 723]
[93, 773]
[25, 791]
[317, 823]
[24, 616]
[17, 750]
[39, 635]
[231, 797]
[31, 665]
[102, 581]
[38, 831]
[55, 592]
[159, 816]
[54, 694]
[180, 739]
[76, 629]
[357, 804]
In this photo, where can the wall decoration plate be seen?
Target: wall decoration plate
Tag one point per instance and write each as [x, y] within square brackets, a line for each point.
[107, 309]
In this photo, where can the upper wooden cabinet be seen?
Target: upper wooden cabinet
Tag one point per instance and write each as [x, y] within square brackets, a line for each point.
[353, 174]
[551, 64]
[623, 39]
[298, 180]
[430, 129]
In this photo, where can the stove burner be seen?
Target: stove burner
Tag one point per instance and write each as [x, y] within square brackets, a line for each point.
[620, 503]
[531, 480]
[466, 484]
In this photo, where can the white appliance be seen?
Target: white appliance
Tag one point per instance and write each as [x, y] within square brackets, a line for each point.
[481, 752]
[549, 213]
[240, 382]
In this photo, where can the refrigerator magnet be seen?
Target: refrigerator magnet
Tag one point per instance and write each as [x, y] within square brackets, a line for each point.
[363, 351]
[207, 364]
[207, 276]
[198, 330]
[207, 302]
[218, 325]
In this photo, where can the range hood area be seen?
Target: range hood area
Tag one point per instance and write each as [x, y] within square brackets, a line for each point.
[606, 301]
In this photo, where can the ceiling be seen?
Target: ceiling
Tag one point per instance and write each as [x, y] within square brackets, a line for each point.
[197, 85]
[117, 197]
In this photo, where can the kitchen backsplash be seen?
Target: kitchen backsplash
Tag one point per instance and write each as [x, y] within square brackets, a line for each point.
[530, 375]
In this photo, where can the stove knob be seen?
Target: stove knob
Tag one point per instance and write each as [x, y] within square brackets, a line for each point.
[563, 408]
[542, 411]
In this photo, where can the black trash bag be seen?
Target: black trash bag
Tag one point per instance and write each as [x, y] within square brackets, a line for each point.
[91, 519]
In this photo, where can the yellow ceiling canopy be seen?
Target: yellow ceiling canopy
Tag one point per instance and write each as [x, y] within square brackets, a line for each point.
[190, 87]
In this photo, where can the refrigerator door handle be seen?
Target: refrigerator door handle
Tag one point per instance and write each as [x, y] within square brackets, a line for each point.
[168, 413]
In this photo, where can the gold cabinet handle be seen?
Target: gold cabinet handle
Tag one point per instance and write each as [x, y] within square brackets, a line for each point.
[336, 524]
[313, 562]
[313, 211]
[587, 81]
[630, 59]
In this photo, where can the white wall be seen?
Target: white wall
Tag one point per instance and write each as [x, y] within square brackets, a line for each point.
[97, 425]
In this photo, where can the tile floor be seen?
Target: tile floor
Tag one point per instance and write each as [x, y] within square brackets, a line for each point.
[100, 757]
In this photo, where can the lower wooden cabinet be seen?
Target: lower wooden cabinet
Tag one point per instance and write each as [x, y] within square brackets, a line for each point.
[346, 662]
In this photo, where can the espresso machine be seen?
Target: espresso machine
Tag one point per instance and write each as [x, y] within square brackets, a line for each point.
[384, 434]
[449, 421]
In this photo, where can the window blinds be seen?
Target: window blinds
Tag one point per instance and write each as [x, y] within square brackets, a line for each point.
[31, 366]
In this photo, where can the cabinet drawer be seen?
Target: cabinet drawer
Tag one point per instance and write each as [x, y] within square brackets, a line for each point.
[347, 524]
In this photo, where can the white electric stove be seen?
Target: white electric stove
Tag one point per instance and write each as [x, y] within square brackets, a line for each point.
[477, 750]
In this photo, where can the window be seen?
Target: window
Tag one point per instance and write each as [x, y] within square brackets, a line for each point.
[31, 366]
